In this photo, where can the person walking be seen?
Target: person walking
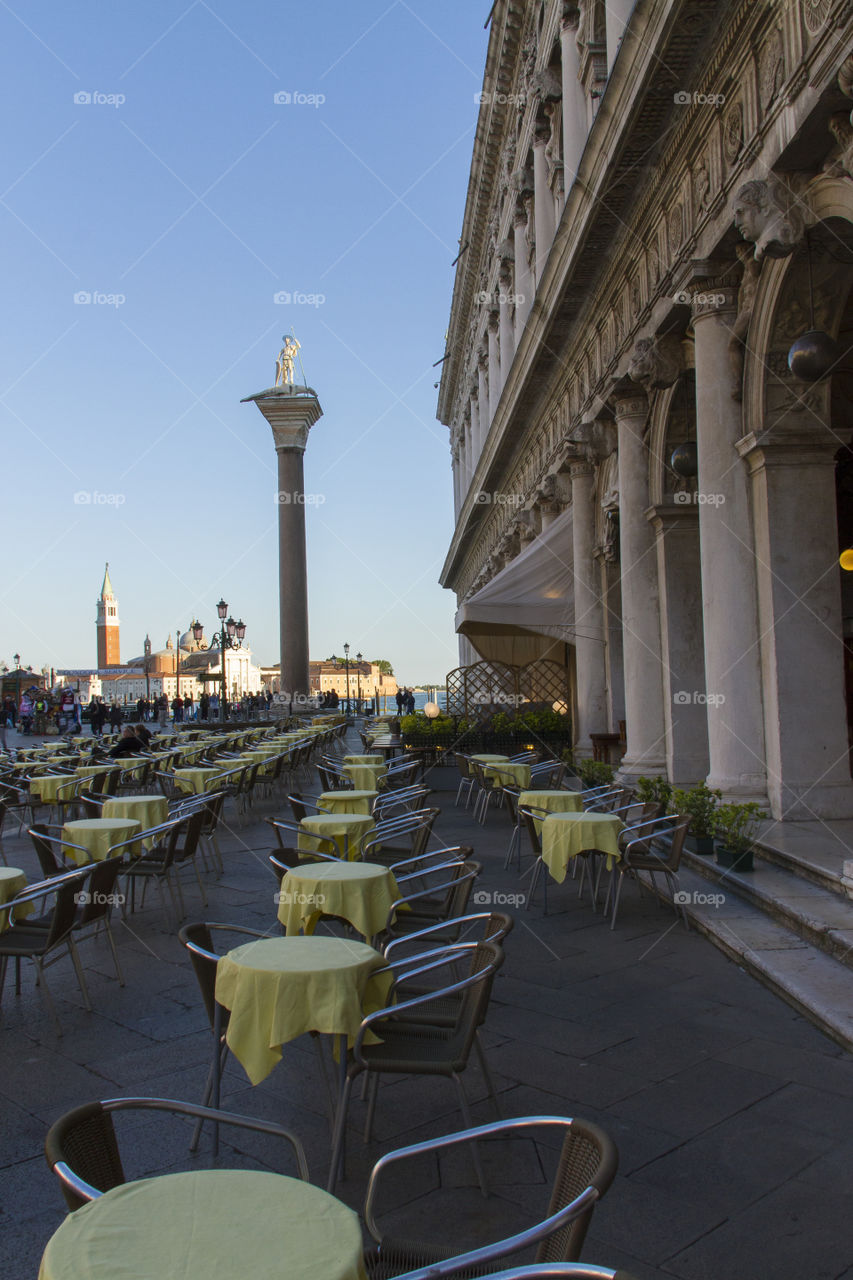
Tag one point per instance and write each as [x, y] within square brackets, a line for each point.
[410, 703]
[115, 716]
[177, 708]
[401, 698]
[203, 706]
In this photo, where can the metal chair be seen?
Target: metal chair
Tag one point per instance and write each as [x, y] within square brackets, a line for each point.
[586, 1169]
[82, 1149]
[653, 846]
[541, 1271]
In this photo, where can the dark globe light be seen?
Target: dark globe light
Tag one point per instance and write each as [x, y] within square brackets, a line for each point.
[683, 460]
[812, 355]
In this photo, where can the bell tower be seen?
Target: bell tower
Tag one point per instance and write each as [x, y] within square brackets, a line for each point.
[107, 624]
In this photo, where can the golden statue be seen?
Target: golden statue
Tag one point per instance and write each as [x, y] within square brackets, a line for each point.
[284, 363]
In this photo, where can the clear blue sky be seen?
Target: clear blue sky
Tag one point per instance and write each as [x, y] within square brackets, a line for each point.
[197, 199]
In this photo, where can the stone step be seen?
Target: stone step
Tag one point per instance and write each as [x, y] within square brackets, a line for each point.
[814, 851]
[818, 915]
[816, 984]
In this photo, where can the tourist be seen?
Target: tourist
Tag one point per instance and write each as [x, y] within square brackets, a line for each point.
[410, 703]
[25, 713]
[177, 708]
[10, 711]
[401, 698]
[204, 705]
[143, 734]
[128, 744]
[115, 716]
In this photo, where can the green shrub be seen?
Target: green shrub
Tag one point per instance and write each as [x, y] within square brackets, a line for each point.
[700, 805]
[654, 791]
[595, 773]
[734, 825]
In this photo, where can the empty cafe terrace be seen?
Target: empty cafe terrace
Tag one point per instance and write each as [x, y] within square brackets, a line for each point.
[288, 1001]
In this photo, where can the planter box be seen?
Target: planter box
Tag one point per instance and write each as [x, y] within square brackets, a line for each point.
[736, 861]
[704, 845]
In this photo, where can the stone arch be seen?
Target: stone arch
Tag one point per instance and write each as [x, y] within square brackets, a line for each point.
[672, 422]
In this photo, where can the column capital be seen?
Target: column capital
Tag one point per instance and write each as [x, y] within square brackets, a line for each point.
[570, 18]
[628, 399]
[716, 299]
[291, 412]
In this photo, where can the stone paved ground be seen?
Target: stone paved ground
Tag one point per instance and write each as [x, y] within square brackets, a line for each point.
[733, 1116]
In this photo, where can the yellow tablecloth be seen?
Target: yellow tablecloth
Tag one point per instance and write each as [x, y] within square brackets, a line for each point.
[150, 810]
[487, 759]
[48, 787]
[348, 801]
[279, 988]
[12, 881]
[365, 777]
[197, 781]
[97, 835]
[553, 801]
[512, 775]
[360, 892]
[353, 827]
[564, 835]
[376, 759]
[89, 770]
[209, 1224]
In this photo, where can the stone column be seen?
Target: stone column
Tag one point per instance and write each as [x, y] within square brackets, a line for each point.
[291, 411]
[483, 401]
[524, 286]
[507, 339]
[676, 528]
[645, 753]
[616, 15]
[800, 615]
[494, 369]
[732, 655]
[575, 110]
[473, 438]
[455, 462]
[543, 208]
[589, 637]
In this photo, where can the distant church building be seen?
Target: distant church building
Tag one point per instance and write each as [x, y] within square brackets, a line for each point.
[108, 625]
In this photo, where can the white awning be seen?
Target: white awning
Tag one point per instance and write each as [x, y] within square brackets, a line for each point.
[527, 610]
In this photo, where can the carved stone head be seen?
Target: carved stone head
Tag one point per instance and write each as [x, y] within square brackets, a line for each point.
[765, 214]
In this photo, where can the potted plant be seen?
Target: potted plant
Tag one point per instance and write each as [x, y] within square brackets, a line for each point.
[654, 791]
[595, 773]
[734, 827]
[700, 805]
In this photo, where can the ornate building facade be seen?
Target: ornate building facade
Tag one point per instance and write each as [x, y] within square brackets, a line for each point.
[651, 486]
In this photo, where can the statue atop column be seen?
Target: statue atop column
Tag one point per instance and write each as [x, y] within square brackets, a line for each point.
[285, 362]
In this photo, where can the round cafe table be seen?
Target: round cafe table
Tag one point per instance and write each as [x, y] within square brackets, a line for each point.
[553, 801]
[565, 835]
[516, 775]
[348, 801]
[365, 777]
[98, 836]
[347, 829]
[361, 892]
[375, 759]
[280, 988]
[47, 788]
[12, 881]
[208, 1224]
[490, 759]
[150, 810]
[196, 781]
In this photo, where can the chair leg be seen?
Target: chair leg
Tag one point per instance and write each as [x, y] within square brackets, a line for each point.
[48, 998]
[112, 942]
[466, 1116]
[487, 1075]
[373, 1089]
[621, 875]
[336, 1167]
[78, 969]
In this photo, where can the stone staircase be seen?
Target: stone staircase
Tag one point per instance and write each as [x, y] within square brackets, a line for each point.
[790, 921]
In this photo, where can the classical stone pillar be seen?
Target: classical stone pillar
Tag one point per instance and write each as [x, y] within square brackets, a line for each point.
[575, 110]
[616, 15]
[792, 468]
[543, 208]
[494, 369]
[640, 603]
[589, 636]
[456, 462]
[524, 286]
[732, 655]
[291, 411]
[676, 528]
[484, 417]
[473, 439]
[507, 337]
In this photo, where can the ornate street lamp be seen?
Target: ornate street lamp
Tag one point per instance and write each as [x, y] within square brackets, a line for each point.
[16, 658]
[358, 658]
[346, 663]
[231, 636]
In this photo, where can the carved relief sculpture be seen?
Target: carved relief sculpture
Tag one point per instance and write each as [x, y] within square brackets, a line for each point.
[766, 214]
[740, 328]
[656, 362]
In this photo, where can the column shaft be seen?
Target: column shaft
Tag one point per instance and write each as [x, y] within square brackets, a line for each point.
[575, 110]
[524, 286]
[484, 418]
[616, 15]
[292, 573]
[543, 210]
[507, 339]
[494, 373]
[589, 638]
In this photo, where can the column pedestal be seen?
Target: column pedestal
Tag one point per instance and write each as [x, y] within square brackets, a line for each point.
[291, 411]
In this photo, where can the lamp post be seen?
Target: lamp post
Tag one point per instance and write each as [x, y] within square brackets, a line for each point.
[358, 658]
[231, 636]
[346, 664]
[178, 671]
[16, 658]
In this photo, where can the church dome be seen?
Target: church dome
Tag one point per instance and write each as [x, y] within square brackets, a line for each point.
[189, 644]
